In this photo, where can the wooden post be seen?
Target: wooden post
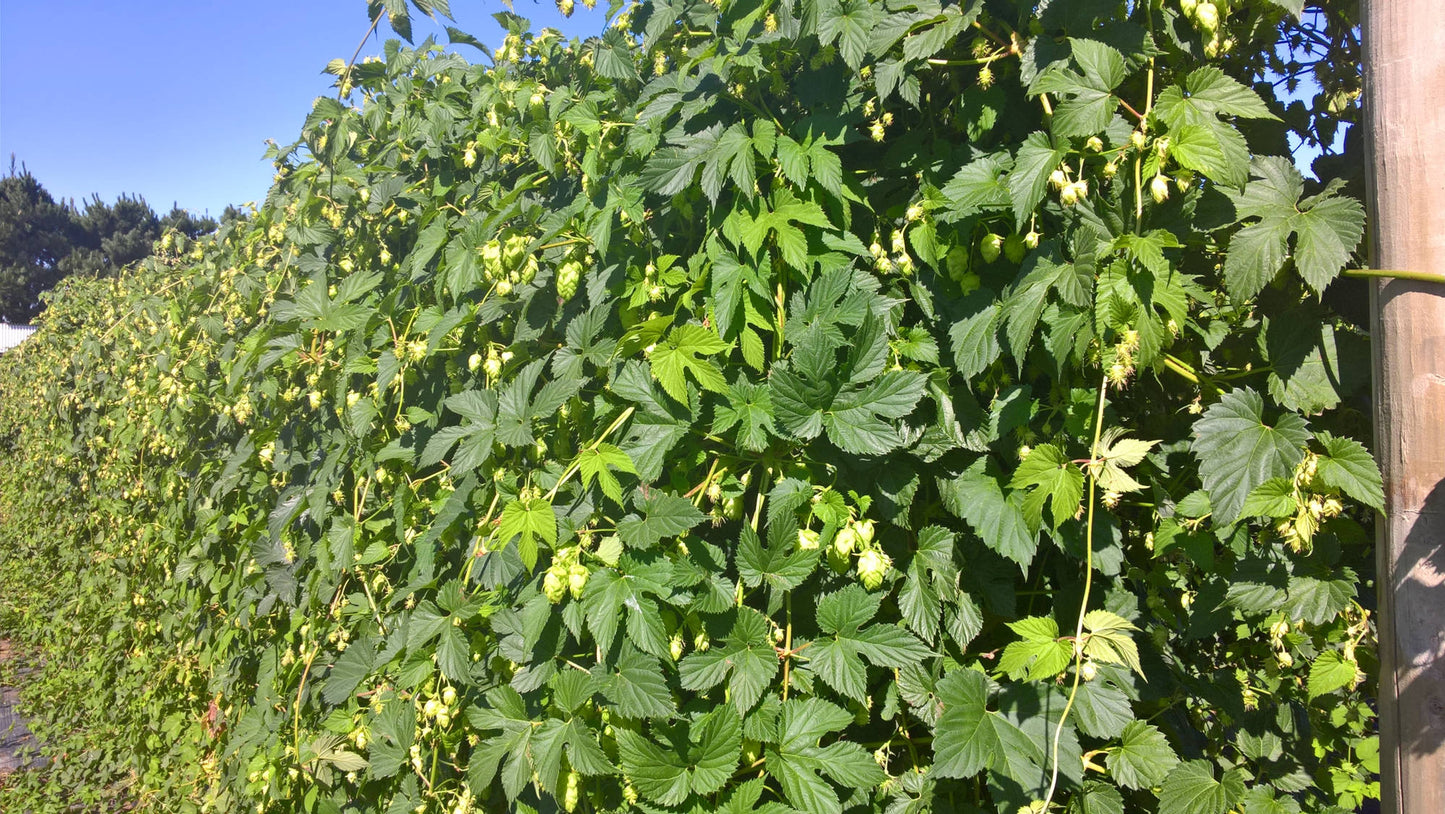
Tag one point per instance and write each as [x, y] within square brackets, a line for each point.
[1404, 70]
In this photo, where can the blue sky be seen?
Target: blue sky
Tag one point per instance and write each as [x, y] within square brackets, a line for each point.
[174, 100]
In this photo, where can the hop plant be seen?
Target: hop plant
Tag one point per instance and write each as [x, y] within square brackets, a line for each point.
[1206, 16]
[807, 539]
[1159, 189]
[577, 576]
[873, 567]
[492, 260]
[506, 450]
[554, 585]
[568, 277]
[990, 247]
[1014, 248]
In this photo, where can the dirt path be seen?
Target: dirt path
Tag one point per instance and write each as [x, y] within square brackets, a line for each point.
[15, 736]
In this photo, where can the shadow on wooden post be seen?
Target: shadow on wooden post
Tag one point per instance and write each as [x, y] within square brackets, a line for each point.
[1404, 71]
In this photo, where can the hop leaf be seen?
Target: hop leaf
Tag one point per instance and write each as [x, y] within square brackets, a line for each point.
[678, 356]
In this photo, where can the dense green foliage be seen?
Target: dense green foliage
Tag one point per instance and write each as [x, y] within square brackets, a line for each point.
[43, 241]
[822, 407]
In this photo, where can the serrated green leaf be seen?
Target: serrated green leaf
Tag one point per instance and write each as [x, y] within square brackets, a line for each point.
[528, 522]
[349, 670]
[1275, 497]
[1209, 92]
[1103, 709]
[1198, 147]
[1326, 229]
[1347, 466]
[583, 751]
[678, 356]
[979, 186]
[1294, 7]
[1109, 640]
[801, 785]
[1123, 451]
[1237, 451]
[636, 685]
[1255, 256]
[663, 515]
[966, 739]
[975, 337]
[1330, 671]
[1191, 788]
[749, 408]
[976, 497]
[849, 23]
[803, 722]
[612, 597]
[1053, 478]
[1325, 236]
[858, 420]
[748, 662]
[698, 758]
[797, 403]
[1039, 654]
[1311, 363]
[596, 462]
[1088, 105]
[835, 655]
[658, 774]
[1143, 757]
[781, 569]
[1029, 178]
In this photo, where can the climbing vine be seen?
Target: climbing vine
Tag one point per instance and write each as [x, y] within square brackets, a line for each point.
[761, 406]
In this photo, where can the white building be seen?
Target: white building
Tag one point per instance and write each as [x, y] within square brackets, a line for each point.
[12, 335]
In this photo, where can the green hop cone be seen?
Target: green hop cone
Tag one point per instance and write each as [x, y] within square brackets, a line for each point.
[568, 276]
[873, 566]
[807, 539]
[492, 259]
[554, 586]
[990, 247]
[577, 577]
[1159, 189]
[1206, 15]
[957, 262]
[732, 508]
[1014, 248]
[846, 541]
[514, 251]
[573, 794]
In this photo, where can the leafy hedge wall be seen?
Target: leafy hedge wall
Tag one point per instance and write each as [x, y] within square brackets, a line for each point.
[764, 406]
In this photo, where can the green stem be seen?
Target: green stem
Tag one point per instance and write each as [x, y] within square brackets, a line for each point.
[346, 74]
[788, 644]
[782, 318]
[1088, 586]
[577, 464]
[966, 62]
[1386, 274]
[486, 519]
[568, 242]
[1178, 365]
